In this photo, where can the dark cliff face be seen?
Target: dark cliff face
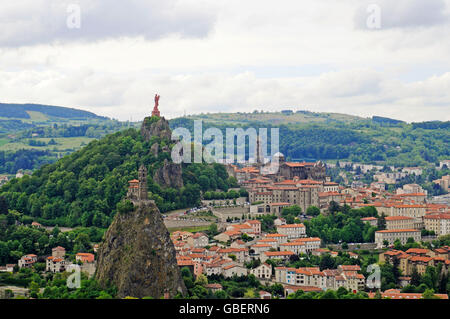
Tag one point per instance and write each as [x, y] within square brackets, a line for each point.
[138, 257]
[154, 126]
[169, 174]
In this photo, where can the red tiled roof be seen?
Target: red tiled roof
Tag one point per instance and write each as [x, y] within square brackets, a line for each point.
[292, 226]
[397, 231]
[278, 253]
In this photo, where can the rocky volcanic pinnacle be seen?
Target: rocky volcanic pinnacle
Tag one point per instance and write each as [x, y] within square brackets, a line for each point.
[169, 174]
[138, 257]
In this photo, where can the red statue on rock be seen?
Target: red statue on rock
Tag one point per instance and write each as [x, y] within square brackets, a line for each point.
[155, 109]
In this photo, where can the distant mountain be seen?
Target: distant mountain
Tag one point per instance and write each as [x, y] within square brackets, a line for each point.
[284, 117]
[306, 135]
[27, 111]
[386, 120]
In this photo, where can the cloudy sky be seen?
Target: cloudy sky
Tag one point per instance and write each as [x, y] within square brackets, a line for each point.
[349, 56]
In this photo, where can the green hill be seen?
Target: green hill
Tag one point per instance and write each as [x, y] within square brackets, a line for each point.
[32, 134]
[84, 187]
[284, 117]
[41, 113]
[306, 135]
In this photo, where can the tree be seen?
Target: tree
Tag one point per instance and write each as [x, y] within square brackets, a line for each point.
[276, 290]
[201, 280]
[333, 207]
[429, 294]
[186, 272]
[55, 231]
[326, 262]
[313, 211]
[221, 294]
[293, 210]
[34, 290]
[329, 294]
[212, 229]
[415, 277]
[3, 206]
[125, 206]
[381, 222]
[203, 181]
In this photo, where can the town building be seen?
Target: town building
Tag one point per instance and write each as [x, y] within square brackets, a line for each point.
[282, 255]
[27, 261]
[311, 243]
[439, 223]
[58, 252]
[263, 271]
[55, 264]
[392, 235]
[234, 270]
[198, 240]
[292, 231]
[399, 222]
[410, 189]
[85, 257]
[443, 182]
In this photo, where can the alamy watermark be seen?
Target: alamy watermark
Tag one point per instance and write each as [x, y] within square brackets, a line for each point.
[74, 280]
[374, 279]
[374, 19]
[188, 149]
[74, 16]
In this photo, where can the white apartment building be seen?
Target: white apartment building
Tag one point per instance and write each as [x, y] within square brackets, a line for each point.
[439, 223]
[392, 235]
[292, 231]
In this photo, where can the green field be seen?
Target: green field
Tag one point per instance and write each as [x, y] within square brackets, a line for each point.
[63, 143]
[37, 116]
[276, 118]
[3, 141]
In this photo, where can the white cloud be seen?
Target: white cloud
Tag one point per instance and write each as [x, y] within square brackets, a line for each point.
[361, 92]
[228, 57]
[30, 22]
[404, 13]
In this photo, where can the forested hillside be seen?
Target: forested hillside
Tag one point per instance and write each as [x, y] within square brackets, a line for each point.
[324, 136]
[84, 188]
[32, 134]
[22, 111]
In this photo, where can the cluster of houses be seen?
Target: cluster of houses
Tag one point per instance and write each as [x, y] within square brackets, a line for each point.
[346, 276]
[229, 255]
[57, 262]
[417, 258]
[407, 211]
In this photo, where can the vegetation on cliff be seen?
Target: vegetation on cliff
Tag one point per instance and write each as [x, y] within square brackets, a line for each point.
[84, 187]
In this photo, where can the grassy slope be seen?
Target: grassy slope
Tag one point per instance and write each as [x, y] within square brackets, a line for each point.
[276, 118]
[63, 143]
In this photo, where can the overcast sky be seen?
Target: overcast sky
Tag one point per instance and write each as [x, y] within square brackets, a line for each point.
[229, 56]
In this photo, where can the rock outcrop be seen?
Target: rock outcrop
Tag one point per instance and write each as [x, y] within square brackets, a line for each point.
[155, 149]
[169, 175]
[156, 126]
[138, 257]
